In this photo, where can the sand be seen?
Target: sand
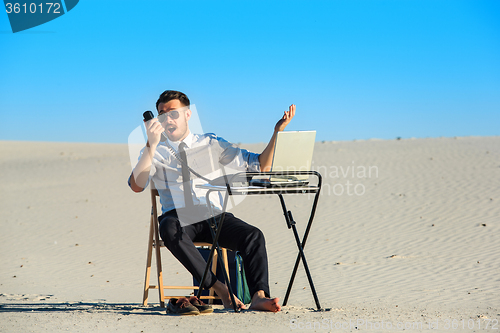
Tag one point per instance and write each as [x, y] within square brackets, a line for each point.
[405, 237]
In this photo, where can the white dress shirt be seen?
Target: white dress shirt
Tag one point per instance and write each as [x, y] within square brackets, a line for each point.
[207, 154]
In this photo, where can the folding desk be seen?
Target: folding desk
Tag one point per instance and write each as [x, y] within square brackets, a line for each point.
[216, 222]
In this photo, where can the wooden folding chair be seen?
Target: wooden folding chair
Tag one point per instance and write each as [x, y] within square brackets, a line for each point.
[156, 243]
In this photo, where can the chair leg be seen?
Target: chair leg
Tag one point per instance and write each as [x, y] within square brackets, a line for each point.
[148, 265]
[224, 259]
[158, 261]
[214, 270]
[211, 292]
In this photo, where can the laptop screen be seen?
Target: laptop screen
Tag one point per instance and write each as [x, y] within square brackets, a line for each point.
[293, 151]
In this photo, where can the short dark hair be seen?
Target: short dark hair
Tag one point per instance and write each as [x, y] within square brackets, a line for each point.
[169, 95]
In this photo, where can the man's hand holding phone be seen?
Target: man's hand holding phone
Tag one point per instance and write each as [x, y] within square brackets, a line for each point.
[153, 130]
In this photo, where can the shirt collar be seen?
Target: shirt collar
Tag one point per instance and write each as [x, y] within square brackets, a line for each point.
[188, 141]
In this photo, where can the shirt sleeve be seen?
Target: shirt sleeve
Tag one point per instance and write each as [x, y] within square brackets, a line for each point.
[236, 158]
[152, 171]
[251, 159]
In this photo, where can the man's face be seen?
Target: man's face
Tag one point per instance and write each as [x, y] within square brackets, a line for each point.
[176, 128]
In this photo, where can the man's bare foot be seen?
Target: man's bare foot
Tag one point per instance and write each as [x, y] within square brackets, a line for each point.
[221, 290]
[261, 303]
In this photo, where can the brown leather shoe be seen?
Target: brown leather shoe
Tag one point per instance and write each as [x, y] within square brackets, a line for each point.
[202, 307]
[181, 306]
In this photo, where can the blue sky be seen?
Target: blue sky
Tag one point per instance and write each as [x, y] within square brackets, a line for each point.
[355, 69]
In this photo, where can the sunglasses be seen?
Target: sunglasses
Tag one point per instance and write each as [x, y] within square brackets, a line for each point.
[174, 114]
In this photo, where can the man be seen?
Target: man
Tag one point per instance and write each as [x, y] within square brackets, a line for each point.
[178, 195]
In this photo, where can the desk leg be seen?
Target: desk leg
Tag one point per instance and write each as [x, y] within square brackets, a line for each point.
[209, 261]
[306, 267]
[223, 267]
[215, 245]
[300, 245]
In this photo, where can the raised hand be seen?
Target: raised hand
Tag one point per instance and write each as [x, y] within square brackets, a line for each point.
[285, 120]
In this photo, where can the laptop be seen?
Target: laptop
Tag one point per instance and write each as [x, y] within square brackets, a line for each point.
[293, 151]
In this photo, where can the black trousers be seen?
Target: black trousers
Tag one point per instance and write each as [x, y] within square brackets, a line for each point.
[235, 235]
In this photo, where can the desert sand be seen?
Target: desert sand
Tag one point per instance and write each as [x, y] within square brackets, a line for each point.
[405, 237]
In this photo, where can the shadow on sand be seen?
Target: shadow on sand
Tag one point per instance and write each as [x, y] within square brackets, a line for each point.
[118, 308]
[91, 307]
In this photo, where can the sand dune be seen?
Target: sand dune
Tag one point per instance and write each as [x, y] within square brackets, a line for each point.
[406, 231]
